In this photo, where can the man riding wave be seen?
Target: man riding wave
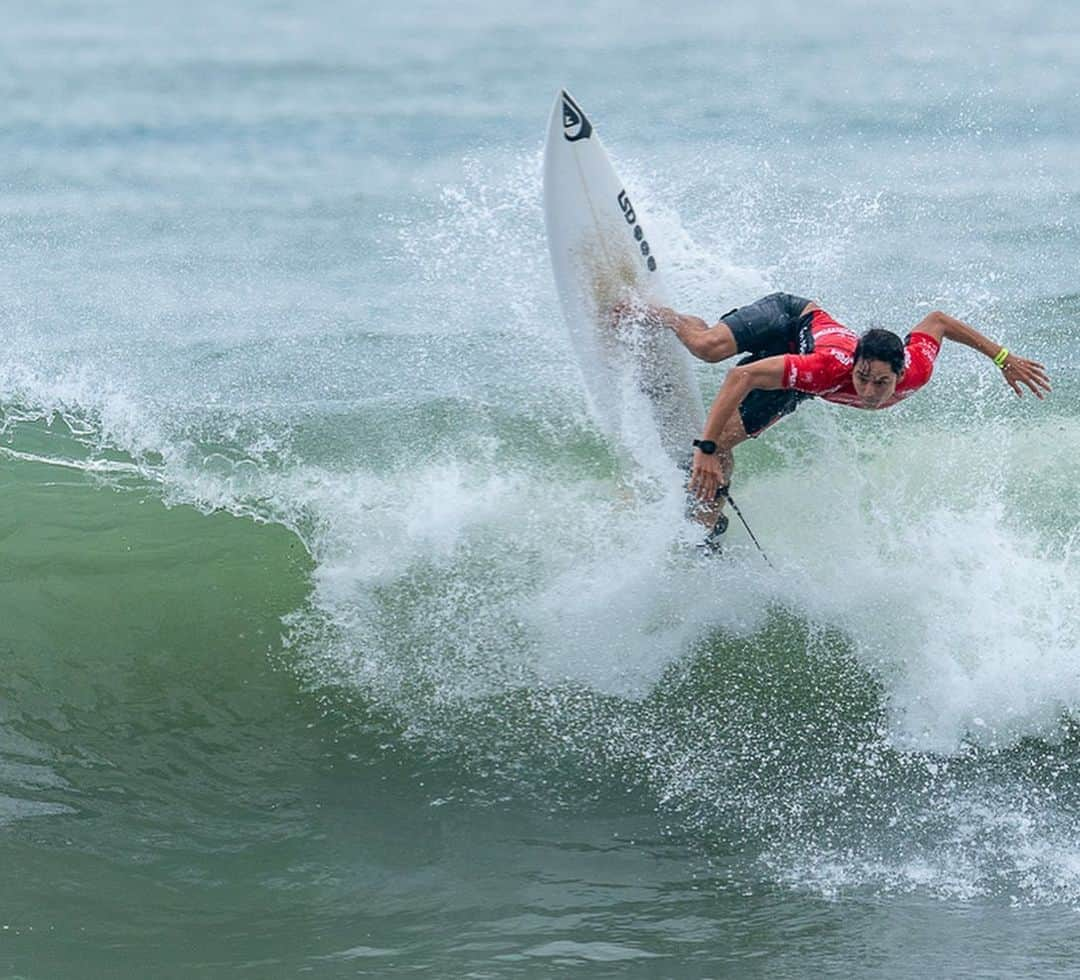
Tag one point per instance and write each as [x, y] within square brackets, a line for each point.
[795, 351]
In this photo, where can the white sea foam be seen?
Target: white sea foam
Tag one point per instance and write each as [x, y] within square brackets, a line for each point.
[950, 583]
[987, 841]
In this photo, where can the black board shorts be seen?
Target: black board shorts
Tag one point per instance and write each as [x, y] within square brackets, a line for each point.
[773, 325]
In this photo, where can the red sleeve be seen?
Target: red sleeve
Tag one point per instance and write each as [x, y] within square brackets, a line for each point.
[816, 373]
[922, 350]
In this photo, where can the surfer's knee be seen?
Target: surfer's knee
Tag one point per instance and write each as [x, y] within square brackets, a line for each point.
[716, 343]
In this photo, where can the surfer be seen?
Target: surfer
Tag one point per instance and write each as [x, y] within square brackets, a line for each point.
[796, 351]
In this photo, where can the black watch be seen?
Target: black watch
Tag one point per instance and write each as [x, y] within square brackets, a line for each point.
[707, 446]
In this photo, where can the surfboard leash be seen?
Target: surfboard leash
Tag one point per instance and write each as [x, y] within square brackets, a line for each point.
[738, 513]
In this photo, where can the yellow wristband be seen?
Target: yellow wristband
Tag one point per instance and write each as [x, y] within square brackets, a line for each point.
[1002, 356]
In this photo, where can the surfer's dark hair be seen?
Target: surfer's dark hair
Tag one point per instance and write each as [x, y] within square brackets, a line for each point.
[881, 345]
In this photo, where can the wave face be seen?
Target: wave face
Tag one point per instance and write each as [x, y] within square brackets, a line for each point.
[321, 590]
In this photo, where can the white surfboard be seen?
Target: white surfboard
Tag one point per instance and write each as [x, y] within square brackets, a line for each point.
[601, 253]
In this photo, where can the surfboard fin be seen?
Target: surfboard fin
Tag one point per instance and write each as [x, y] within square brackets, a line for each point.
[713, 543]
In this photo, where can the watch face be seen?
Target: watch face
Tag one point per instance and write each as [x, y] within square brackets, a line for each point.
[707, 446]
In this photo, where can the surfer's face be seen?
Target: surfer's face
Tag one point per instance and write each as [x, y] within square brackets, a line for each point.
[875, 381]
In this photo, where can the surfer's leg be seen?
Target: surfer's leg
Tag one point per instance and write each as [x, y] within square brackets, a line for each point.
[763, 328]
[711, 344]
[760, 329]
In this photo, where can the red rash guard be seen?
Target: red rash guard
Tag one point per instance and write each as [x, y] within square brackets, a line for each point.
[827, 371]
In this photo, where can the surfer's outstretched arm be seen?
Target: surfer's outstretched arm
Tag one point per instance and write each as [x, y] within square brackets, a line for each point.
[1015, 369]
[708, 473]
[712, 344]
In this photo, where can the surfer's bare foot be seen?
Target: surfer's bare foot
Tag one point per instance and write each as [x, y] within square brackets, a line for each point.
[628, 313]
[626, 309]
[639, 312]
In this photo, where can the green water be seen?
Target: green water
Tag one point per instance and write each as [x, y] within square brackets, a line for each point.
[176, 805]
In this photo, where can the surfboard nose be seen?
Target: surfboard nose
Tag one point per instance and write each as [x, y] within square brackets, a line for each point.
[575, 123]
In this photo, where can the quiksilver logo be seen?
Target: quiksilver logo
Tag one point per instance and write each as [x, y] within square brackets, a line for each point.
[575, 125]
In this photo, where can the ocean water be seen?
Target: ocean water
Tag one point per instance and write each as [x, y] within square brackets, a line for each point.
[338, 640]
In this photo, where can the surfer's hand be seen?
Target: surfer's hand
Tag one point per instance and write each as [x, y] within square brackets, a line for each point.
[706, 476]
[1019, 370]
